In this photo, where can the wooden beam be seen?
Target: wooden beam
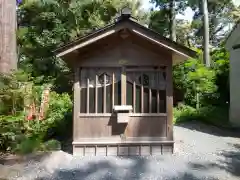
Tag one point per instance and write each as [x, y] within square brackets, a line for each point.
[159, 43]
[90, 41]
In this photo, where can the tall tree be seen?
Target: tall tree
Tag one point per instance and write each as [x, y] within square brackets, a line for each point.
[46, 24]
[8, 48]
[172, 23]
[164, 20]
[220, 16]
[206, 34]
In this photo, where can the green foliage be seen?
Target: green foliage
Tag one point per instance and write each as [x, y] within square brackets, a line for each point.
[220, 59]
[195, 80]
[45, 25]
[213, 115]
[184, 113]
[50, 145]
[159, 22]
[11, 131]
[28, 145]
[16, 91]
[20, 135]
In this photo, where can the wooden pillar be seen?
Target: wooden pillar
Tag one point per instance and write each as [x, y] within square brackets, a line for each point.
[77, 99]
[123, 86]
[169, 101]
[142, 94]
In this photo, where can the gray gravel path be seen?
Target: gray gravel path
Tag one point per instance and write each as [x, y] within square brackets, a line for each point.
[201, 152]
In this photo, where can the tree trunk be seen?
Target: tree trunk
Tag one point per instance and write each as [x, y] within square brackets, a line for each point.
[8, 45]
[172, 21]
[206, 34]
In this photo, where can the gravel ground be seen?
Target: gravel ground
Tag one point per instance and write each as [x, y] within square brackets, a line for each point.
[201, 152]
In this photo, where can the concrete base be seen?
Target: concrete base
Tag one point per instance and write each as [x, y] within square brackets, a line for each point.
[123, 149]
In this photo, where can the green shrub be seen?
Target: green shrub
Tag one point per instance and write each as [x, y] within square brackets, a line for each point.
[28, 145]
[195, 80]
[184, 113]
[213, 115]
[51, 145]
[20, 135]
[11, 131]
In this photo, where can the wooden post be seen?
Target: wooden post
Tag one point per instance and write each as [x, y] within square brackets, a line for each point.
[134, 97]
[158, 101]
[123, 86]
[87, 103]
[104, 94]
[169, 99]
[142, 95]
[158, 97]
[77, 99]
[96, 94]
[113, 88]
[150, 96]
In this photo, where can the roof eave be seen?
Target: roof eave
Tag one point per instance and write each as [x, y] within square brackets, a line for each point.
[109, 30]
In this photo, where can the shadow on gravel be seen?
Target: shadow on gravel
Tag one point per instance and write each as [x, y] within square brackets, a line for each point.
[103, 170]
[188, 176]
[230, 163]
[209, 129]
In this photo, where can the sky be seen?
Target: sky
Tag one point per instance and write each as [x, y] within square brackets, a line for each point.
[188, 13]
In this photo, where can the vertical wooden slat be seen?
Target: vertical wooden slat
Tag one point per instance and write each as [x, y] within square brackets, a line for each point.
[150, 95]
[96, 94]
[134, 97]
[77, 99]
[113, 88]
[104, 95]
[106, 150]
[158, 101]
[150, 100]
[158, 97]
[123, 86]
[142, 95]
[88, 95]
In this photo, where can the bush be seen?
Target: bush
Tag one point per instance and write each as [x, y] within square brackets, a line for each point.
[184, 113]
[11, 131]
[24, 136]
[214, 115]
[51, 145]
[28, 145]
[195, 80]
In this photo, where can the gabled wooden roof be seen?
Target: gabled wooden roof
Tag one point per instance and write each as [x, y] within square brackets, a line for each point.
[134, 27]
